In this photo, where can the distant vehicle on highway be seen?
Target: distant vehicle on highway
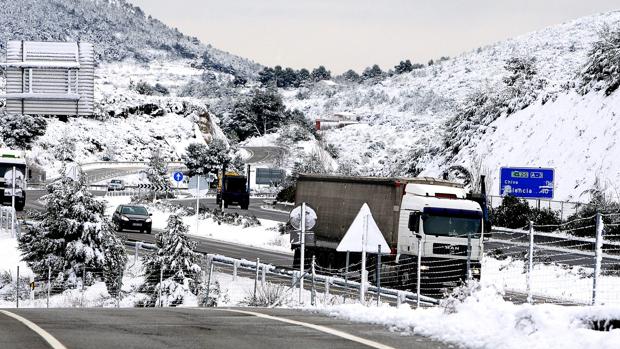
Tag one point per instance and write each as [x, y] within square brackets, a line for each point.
[116, 184]
[233, 189]
[132, 217]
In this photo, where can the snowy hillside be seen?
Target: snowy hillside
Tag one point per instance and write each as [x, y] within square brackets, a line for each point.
[142, 67]
[118, 29]
[408, 126]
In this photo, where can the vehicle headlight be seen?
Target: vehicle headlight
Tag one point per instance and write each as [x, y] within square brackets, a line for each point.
[475, 271]
[148, 220]
[123, 218]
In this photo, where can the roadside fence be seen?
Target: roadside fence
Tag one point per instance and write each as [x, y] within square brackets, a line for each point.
[551, 263]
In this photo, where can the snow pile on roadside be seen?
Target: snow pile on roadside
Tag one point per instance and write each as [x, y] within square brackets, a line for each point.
[485, 320]
[572, 284]
[10, 258]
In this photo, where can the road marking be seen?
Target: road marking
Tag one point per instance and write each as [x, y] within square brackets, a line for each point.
[53, 342]
[320, 328]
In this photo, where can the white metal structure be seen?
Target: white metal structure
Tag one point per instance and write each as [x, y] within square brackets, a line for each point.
[8, 221]
[53, 78]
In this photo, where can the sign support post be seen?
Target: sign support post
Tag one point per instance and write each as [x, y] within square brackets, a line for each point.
[197, 203]
[302, 252]
[363, 271]
[13, 205]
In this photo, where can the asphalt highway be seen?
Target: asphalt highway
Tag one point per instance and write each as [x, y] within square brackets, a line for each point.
[264, 155]
[162, 328]
[228, 249]
[255, 208]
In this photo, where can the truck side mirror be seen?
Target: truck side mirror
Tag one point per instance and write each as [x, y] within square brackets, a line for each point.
[414, 221]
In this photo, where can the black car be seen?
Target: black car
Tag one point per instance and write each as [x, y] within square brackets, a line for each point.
[132, 217]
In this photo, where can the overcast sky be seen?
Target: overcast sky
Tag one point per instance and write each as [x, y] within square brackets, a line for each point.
[343, 34]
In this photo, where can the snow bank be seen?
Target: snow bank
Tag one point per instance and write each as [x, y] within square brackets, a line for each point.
[485, 320]
[562, 283]
[10, 258]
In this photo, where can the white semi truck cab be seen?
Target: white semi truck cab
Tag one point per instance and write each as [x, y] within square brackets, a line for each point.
[448, 226]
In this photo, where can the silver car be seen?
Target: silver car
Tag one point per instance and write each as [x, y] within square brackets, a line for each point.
[116, 184]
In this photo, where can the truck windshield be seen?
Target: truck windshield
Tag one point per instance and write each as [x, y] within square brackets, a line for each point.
[455, 226]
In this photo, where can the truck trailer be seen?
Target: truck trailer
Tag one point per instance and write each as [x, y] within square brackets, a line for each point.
[437, 215]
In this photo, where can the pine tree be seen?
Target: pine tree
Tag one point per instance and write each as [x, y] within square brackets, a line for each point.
[602, 72]
[351, 75]
[257, 115]
[20, 131]
[72, 234]
[202, 159]
[320, 73]
[403, 67]
[175, 260]
[372, 72]
[157, 174]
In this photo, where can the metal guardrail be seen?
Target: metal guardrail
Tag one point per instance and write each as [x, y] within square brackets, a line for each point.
[396, 295]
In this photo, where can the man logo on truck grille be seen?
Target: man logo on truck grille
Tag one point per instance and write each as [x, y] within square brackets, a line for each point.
[460, 250]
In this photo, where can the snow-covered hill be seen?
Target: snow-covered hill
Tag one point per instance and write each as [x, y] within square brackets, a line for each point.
[408, 120]
[132, 51]
[118, 29]
[460, 111]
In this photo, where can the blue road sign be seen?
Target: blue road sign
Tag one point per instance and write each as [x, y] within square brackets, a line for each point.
[178, 176]
[526, 182]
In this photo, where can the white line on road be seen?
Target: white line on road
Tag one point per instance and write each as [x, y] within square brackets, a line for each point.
[320, 328]
[53, 342]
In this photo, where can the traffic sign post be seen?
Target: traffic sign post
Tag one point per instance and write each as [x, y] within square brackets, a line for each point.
[302, 218]
[178, 177]
[527, 182]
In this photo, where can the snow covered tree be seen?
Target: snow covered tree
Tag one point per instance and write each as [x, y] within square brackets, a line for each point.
[602, 70]
[65, 150]
[20, 131]
[267, 76]
[351, 76]
[522, 83]
[403, 67]
[157, 175]
[202, 159]
[320, 73]
[73, 234]
[372, 72]
[257, 115]
[303, 75]
[174, 260]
